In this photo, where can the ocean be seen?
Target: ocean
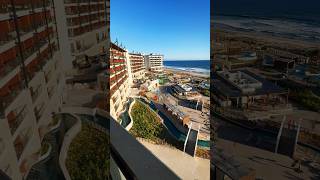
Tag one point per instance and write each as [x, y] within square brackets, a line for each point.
[292, 19]
[197, 66]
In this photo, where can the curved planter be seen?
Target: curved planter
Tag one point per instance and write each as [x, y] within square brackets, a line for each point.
[129, 126]
[43, 157]
[69, 136]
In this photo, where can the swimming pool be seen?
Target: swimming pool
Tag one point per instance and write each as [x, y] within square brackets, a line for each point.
[124, 117]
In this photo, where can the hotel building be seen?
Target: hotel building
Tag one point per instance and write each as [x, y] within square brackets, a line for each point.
[137, 68]
[83, 28]
[31, 81]
[119, 79]
[154, 63]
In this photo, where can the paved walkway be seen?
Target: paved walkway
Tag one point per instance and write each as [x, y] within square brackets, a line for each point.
[268, 165]
[185, 166]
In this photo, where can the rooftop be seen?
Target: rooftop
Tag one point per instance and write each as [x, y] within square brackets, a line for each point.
[242, 83]
[241, 80]
[114, 46]
[184, 87]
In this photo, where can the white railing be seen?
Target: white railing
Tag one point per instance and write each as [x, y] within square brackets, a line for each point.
[69, 136]
[129, 126]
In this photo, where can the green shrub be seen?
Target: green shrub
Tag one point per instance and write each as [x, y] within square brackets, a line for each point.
[146, 123]
[88, 155]
[307, 99]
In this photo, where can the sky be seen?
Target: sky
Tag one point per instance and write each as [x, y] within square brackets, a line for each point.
[306, 8]
[178, 29]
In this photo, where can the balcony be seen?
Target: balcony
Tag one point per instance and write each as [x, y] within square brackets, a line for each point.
[48, 76]
[8, 67]
[22, 5]
[8, 95]
[38, 111]
[51, 91]
[6, 37]
[30, 51]
[21, 142]
[4, 7]
[16, 118]
[28, 162]
[35, 92]
[82, 48]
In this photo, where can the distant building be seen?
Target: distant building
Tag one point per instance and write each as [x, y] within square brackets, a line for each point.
[119, 80]
[137, 66]
[234, 60]
[243, 88]
[177, 113]
[150, 85]
[205, 85]
[185, 90]
[283, 60]
[154, 63]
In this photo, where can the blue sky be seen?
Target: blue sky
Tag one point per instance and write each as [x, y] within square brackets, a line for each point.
[179, 29]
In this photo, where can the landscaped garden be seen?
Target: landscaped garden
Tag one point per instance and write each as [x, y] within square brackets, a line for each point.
[307, 99]
[44, 148]
[88, 155]
[147, 125]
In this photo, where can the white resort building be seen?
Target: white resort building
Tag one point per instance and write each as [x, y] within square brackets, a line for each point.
[154, 62]
[119, 79]
[137, 68]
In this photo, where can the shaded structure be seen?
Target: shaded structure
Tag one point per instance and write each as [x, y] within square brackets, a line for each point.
[287, 137]
[181, 116]
[242, 88]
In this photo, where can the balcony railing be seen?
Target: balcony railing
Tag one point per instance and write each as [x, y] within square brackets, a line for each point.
[19, 144]
[9, 98]
[83, 48]
[35, 93]
[18, 118]
[7, 37]
[51, 91]
[48, 76]
[39, 111]
[9, 67]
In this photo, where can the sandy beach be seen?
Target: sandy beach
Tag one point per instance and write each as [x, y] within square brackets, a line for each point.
[182, 72]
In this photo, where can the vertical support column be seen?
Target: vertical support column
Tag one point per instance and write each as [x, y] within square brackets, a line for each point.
[279, 134]
[19, 44]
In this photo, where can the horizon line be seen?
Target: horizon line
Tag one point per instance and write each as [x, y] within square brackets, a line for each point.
[186, 60]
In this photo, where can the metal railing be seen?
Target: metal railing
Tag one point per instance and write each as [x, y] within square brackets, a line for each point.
[18, 119]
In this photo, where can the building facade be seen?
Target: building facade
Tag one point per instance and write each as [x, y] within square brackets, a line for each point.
[137, 66]
[84, 28]
[154, 63]
[119, 80]
[31, 81]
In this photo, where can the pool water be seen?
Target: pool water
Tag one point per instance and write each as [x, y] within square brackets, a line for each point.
[124, 117]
